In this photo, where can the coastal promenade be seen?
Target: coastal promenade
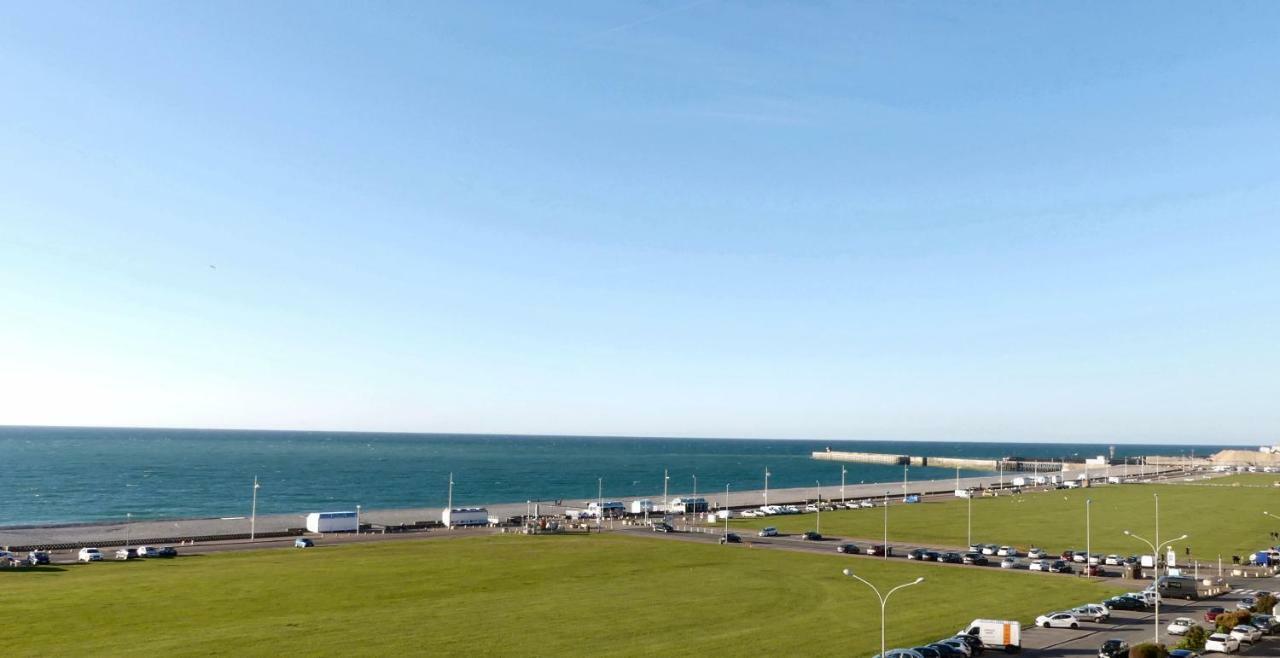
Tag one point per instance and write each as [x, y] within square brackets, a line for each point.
[176, 530]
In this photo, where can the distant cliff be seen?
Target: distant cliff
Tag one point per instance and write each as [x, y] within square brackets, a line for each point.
[1246, 457]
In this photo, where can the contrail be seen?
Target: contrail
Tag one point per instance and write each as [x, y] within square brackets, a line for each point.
[647, 19]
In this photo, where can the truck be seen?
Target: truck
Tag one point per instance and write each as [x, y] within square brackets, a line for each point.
[994, 633]
[1181, 587]
[607, 509]
[1021, 482]
[331, 522]
[643, 506]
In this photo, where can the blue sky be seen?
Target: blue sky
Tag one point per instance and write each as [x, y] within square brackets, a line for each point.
[1005, 221]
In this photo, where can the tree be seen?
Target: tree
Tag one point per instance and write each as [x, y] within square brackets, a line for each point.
[1194, 639]
[1148, 650]
[1265, 603]
[1229, 620]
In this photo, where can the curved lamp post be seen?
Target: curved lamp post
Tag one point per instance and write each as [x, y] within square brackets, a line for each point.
[1155, 552]
[884, 599]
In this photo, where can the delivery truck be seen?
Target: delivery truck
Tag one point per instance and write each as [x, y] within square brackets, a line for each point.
[997, 633]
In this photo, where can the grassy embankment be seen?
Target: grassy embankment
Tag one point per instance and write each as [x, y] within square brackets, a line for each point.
[505, 595]
[1222, 519]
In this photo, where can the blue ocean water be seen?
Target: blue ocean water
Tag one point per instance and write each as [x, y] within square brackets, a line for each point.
[65, 475]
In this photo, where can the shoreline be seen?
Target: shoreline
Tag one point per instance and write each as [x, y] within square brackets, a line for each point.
[180, 529]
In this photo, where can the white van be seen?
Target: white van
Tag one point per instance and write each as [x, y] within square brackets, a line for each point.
[996, 633]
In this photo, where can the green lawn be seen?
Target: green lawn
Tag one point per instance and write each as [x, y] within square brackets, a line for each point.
[1247, 480]
[505, 595]
[1222, 520]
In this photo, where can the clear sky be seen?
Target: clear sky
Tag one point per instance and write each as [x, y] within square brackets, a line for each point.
[1040, 221]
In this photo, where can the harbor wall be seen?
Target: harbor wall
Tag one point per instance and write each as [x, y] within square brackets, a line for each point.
[860, 457]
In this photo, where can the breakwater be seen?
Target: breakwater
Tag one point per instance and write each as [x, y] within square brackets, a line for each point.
[966, 463]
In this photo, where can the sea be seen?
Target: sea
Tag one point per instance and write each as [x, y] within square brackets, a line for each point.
[53, 475]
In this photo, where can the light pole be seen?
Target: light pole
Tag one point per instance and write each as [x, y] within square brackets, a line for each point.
[726, 513]
[253, 514]
[766, 486]
[970, 525]
[128, 521]
[600, 505]
[1088, 537]
[883, 599]
[1155, 550]
[666, 480]
[957, 478]
[843, 470]
[819, 520]
[357, 520]
[695, 498]
[886, 526]
[904, 482]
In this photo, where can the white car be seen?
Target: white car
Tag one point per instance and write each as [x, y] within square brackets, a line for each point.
[1246, 633]
[1036, 553]
[811, 508]
[1092, 612]
[1058, 620]
[124, 554]
[1113, 561]
[1181, 625]
[89, 555]
[990, 549]
[958, 645]
[1038, 565]
[148, 551]
[769, 532]
[1007, 551]
[1009, 563]
[866, 503]
[1221, 643]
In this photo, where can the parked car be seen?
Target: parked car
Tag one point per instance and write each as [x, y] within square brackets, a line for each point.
[168, 551]
[1212, 613]
[932, 556]
[1264, 623]
[89, 555]
[916, 554]
[1113, 560]
[657, 527]
[303, 542]
[1114, 649]
[731, 538]
[1058, 620]
[1126, 603]
[1246, 633]
[1036, 553]
[768, 532]
[1038, 565]
[1245, 604]
[1181, 625]
[1092, 570]
[948, 651]
[927, 652]
[961, 647]
[1221, 643]
[1184, 653]
[951, 558]
[126, 554]
[148, 551]
[989, 549]
[974, 558]
[848, 549]
[866, 503]
[811, 536]
[1009, 563]
[1060, 566]
[1092, 612]
[900, 653]
[38, 557]
[878, 549]
[1007, 551]
[975, 643]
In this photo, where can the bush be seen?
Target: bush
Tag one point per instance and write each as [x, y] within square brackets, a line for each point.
[1264, 603]
[1148, 650]
[1194, 639]
[1229, 620]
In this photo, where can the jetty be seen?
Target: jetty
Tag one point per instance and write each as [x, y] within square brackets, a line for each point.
[966, 463]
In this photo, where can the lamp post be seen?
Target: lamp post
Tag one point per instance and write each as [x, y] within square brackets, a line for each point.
[957, 478]
[969, 527]
[128, 521]
[818, 522]
[904, 481]
[600, 505]
[886, 526]
[843, 470]
[726, 513]
[1088, 537]
[766, 486]
[1155, 551]
[666, 480]
[357, 520]
[253, 514]
[883, 599]
[695, 498]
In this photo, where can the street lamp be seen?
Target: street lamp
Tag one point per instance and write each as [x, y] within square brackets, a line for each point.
[357, 520]
[883, 599]
[970, 525]
[766, 486]
[695, 498]
[128, 521]
[1155, 551]
[843, 470]
[1088, 537]
[886, 527]
[726, 513]
[253, 514]
[819, 520]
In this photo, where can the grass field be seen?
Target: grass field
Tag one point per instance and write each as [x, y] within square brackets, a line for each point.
[505, 595]
[1222, 520]
[1247, 480]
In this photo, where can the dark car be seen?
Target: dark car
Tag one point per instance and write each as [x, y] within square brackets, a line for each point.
[927, 652]
[1059, 566]
[38, 557]
[975, 643]
[951, 558]
[1126, 603]
[931, 556]
[731, 538]
[1068, 555]
[1212, 613]
[1092, 570]
[916, 553]
[663, 527]
[974, 558]
[1184, 653]
[947, 651]
[878, 549]
[302, 542]
[1114, 649]
[850, 549]
[168, 551]
[811, 536]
